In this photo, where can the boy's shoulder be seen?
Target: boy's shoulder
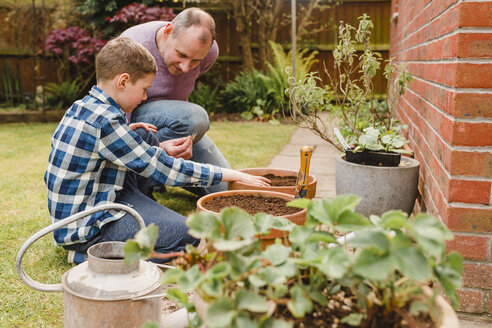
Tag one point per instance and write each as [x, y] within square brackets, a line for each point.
[95, 109]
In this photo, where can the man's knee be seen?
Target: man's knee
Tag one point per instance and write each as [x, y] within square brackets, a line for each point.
[148, 136]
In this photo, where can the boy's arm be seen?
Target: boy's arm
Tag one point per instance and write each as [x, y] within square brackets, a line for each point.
[122, 146]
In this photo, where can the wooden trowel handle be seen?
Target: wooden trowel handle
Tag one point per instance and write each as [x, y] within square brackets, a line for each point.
[303, 175]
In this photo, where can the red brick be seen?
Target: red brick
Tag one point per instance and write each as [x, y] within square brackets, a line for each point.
[489, 307]
[473, 75]
[475, 14]
[469, 191]
[472, 104]
[471, 134]
[474, 45]
[470, 247]
[472, 301]
[477, 275]
[469, 219]
[471, 163]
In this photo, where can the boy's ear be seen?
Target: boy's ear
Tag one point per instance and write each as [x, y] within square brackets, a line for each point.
[123, 80]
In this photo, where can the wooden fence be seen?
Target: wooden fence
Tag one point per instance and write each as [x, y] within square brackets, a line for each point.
[30, 70]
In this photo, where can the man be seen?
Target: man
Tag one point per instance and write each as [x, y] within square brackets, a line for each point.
[184, 49]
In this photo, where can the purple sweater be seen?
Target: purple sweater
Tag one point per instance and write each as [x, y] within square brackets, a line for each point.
[166, 86]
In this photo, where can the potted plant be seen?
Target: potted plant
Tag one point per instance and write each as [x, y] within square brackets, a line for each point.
[376, 277]
[372, 133]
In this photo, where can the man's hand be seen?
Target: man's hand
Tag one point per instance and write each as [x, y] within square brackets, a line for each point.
[146, 126]
[255, 180]
[178, 148]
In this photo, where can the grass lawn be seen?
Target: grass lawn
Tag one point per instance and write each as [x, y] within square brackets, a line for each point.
[24, 150]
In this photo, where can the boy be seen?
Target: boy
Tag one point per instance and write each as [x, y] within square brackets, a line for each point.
[97, 158]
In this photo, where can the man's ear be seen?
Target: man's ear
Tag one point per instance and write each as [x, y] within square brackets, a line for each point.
[168, 30]
[122, 81]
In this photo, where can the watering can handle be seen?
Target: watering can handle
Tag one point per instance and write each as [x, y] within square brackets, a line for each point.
[58, 287]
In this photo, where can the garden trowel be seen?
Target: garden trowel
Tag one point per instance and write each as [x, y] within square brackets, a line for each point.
[303, 175]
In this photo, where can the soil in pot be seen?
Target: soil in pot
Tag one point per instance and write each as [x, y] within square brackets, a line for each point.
[252, 204]
[278, 181]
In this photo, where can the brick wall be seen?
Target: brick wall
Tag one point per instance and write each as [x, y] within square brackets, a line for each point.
[447, 46]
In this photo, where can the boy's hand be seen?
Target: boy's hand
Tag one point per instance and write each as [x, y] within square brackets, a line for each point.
[146, 126]
[255, 180]
[178, 148]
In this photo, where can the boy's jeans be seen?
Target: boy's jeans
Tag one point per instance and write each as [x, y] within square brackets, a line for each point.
[177, 119]
[173, 232]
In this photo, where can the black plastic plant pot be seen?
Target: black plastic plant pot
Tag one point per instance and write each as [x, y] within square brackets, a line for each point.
[375, 158]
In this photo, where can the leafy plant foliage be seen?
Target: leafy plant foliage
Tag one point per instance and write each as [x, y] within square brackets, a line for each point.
[385, 265]
[349, 93]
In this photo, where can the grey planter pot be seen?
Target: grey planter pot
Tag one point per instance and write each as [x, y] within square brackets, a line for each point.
[381, 188]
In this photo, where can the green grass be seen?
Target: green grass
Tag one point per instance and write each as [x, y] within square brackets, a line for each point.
[24, 150]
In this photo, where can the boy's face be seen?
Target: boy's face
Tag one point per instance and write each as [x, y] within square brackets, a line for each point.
[135, 92]
[185, 52]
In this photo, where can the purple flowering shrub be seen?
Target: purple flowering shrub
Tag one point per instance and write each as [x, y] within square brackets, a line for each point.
[74, 42]
[137, 13]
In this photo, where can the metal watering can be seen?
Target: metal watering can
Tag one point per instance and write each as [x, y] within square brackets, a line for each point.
[103, 291]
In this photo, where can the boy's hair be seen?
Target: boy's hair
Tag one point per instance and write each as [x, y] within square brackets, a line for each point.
[191, 17]
[123, 55]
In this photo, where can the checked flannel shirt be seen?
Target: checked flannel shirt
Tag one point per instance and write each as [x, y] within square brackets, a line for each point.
[92, 148]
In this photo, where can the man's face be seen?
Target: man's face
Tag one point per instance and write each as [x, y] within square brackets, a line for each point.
[135, 93]
[185, 52]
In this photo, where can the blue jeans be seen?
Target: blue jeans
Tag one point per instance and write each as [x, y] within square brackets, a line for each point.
[173, 232]
[177, 119]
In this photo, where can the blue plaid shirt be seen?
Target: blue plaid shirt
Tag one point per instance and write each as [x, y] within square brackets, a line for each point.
[92, 148]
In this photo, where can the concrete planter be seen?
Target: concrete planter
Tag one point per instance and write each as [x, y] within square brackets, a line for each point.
[311, 192]
[381, 188]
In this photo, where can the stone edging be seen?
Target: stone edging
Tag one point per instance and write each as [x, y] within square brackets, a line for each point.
[31, 116]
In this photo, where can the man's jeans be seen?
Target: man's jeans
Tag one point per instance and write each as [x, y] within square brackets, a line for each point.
[177, 119]
[173, 232]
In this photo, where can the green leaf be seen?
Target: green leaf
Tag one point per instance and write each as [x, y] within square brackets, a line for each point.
[351, 221]
[190, 279]
[353, 319]
[263, 223]
[412, 262]
[150, 324]
[203, 225]
[142, 246]
[172, 276]
[232, 245]
[300, 304]
[219, 270]
[212, 287]
[247, 300]
[237, 223]
[256, 281]
[300, 203]
[276, 323]
[277, 254]
[449, 275]
[283, 224]
[321, 236]
[430, 233]
[375, 239]
[334, 262]
[373, 264]
[299, 235]
[394, 220]
[178, 296]
[243, 321]
[220, 314]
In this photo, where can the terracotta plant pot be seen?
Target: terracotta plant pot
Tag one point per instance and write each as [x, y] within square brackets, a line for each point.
[447, 317]
[278, 172]
[297, 218]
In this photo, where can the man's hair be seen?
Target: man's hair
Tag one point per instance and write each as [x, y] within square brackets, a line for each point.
[191, 17]
[123, 55]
